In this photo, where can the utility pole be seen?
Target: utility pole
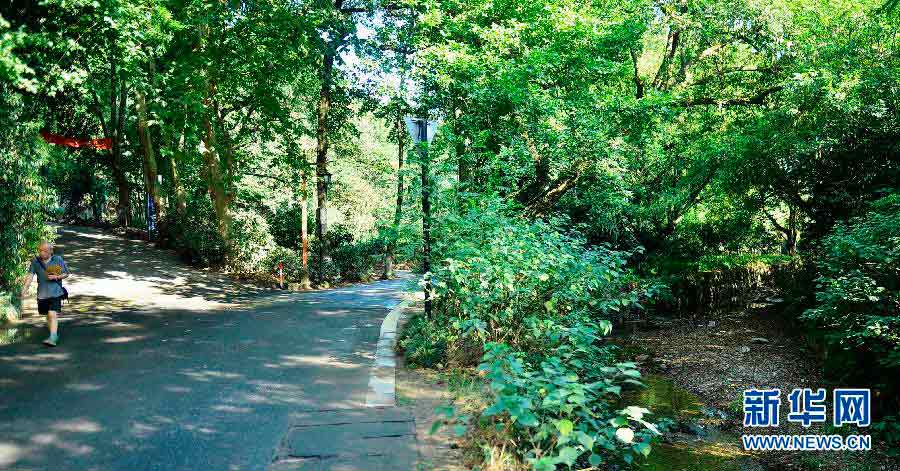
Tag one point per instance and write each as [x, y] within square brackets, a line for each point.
[422, 132]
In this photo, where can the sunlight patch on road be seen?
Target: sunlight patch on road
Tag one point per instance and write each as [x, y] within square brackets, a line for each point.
[76, 425]
[84, 387]
[9, 454]
[292, 361]
[124, 339]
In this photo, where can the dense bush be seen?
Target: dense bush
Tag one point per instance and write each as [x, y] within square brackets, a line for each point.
[858, 292]
[252, 242]
[195, 235]
[535, 302]
[285, 224]
[499, 273]
[858, 297]
[424, 343]
[562, 410]
[197, 238]
[24, 200]
[356, 261]
[292, 260]
[351, 260]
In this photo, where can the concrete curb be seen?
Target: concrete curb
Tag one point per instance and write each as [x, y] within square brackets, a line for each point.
[382, 379]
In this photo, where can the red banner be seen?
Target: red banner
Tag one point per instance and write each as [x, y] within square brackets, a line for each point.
[51, 138]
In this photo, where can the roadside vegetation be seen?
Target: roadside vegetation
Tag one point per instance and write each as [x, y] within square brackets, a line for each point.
[595, 165]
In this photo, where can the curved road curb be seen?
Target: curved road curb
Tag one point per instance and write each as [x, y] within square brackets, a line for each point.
[382, 378]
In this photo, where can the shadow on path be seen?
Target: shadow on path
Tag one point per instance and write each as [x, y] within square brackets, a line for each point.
[164, 367]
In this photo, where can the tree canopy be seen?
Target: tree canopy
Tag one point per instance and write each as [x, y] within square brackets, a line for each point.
[584, 150]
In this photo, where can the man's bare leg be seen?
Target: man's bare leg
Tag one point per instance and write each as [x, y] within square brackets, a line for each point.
[52, 325]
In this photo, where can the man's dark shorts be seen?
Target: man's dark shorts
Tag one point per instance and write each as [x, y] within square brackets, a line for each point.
[49, 304]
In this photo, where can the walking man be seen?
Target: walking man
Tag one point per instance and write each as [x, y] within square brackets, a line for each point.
[50, 270]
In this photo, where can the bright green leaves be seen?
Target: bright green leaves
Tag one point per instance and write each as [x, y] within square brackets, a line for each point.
[558, 405]
[565, 427]
[858, 291]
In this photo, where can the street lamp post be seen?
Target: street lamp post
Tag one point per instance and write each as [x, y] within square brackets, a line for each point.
[422, 132]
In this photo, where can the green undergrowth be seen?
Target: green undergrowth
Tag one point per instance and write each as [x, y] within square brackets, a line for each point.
[529, 306]
[713, 262]
[856, 312]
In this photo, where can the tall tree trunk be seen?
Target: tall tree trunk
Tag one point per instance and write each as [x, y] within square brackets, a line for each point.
[97, 200]
[322, 143]
[174, 158]
[398, 211]
[304, 231]
[116, 120]
[792, 230]
[464, 168]
[123, 210]
[214, 177]
[216, 183]
[150, 168]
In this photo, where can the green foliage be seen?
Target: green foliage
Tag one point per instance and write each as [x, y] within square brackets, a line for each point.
[424, 343]
[285, 226]
[195, 234]
[13, 70]
[561, 410]
[252, 242]
[535, 302]
[888, 429]
[858, 293]
[291, 260]
[24, 199]
[708, 263]
[501, 275]
[857, 308]
[353, 260]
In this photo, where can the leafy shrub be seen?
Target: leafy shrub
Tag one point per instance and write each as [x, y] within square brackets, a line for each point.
[252, 241]
[195, 236]
[292, 260]
[350, 260]
[423, 343]
[356, 261]
[858, 292]
[500, 272]
[24, 199]
[10, 305]
[406, 240]
[285, 225]
[857, 307]
[536, 301]
[327, 272]
[560, 410]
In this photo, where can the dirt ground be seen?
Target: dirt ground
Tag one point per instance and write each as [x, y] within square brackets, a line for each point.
[719, 355]
[422, 391]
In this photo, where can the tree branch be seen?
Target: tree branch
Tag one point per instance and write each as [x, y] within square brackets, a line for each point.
[757, 99]
[639, 85]
[775, 223]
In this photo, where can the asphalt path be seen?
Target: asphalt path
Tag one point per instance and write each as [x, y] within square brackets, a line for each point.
[150, 386]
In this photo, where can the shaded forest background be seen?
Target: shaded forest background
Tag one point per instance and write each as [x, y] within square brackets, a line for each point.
[594, 161]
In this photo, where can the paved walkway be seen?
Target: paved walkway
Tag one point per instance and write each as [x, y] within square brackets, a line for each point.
[164, 367]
